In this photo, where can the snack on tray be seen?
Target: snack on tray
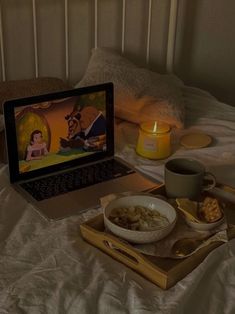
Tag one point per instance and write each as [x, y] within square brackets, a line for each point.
[138, 218]
[207, 211]
[210, 210]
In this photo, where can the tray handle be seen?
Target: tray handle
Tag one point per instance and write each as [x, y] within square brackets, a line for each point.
[107, 242]
[124, 252]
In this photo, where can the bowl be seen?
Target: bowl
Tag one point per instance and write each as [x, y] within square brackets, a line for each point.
[150, 202]
[189, 211]
[204, 226]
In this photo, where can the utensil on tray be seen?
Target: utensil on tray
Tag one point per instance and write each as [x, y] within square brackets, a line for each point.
[186, 246]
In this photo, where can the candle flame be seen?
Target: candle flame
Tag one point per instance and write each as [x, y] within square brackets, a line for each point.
[155, 127]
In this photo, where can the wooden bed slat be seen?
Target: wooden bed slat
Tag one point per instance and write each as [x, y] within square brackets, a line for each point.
[66, 17]
[149, 31]
[2, 47]
[96, 23]
[123, 24]
[35, 37]
[171, 36]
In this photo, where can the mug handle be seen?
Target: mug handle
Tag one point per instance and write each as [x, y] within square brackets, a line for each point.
[211, 185]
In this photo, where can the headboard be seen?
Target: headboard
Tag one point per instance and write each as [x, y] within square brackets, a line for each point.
[194, 39]
[55, 38]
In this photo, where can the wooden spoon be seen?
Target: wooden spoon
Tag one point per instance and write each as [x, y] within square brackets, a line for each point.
[184, 247]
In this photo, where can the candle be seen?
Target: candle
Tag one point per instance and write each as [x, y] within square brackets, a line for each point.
[154, 140]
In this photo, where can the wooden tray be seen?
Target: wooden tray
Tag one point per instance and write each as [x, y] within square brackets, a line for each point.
[164, 272]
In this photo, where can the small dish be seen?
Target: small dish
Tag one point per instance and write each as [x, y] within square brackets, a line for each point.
[150, 202]
[204, 226]
[190, 210]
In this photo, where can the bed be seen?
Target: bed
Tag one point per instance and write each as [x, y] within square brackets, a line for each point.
[46, 267]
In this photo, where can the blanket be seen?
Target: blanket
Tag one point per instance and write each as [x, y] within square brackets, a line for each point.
[46, 267]
[203, 114]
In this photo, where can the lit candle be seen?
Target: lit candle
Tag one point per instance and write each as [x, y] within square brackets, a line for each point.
[154, 140]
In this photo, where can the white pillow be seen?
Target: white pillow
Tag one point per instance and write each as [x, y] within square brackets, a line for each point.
[140, 94]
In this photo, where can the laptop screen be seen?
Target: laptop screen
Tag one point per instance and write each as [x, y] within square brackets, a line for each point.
[57, 131]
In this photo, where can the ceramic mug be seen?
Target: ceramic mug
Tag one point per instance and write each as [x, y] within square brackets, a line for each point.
[187, 178]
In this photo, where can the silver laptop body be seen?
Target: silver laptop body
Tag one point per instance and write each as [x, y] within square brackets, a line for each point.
[56, 135]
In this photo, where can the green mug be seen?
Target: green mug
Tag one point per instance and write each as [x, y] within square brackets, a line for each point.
[187, 178]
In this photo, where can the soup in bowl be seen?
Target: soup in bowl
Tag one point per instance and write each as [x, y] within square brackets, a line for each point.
[140, 218]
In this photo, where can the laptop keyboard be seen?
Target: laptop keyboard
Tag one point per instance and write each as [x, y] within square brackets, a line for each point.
[48, 187]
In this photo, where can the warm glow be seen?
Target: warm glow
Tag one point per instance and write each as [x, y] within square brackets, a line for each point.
[155, 127]
[154, 140]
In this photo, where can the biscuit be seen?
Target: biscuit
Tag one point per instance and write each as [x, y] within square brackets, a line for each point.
[210, 210]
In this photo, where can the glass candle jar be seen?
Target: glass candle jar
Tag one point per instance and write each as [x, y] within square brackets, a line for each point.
[154, 141]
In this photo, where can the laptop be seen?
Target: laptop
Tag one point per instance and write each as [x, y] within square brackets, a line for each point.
[61, 151]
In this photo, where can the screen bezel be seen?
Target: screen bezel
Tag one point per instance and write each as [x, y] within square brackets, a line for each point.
[10, 128]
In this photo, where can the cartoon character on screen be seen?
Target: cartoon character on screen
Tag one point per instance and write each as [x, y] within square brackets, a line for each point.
[86, 129]
[37, 147]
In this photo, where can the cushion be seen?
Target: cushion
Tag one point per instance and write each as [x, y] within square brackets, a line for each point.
[140, 94]
[25, 88]
[30, 87]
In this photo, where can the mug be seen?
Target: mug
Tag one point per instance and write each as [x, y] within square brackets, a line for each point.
[186, 178]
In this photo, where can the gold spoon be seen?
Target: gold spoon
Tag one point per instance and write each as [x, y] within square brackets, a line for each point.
[184, 247]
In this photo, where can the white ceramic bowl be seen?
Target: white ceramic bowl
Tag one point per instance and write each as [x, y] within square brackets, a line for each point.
[150, 202]
[204, 226]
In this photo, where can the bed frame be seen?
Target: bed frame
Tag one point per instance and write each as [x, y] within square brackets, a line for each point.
[22, 46]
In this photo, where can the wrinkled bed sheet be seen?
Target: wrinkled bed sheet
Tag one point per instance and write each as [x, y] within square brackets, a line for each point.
[203, 114]
[46, 267]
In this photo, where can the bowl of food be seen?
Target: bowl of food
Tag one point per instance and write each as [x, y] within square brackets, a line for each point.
[202, 216]
[140, 218]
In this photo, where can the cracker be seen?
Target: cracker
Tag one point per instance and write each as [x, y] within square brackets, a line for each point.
[210, 210]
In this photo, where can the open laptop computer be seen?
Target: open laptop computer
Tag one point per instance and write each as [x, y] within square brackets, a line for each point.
[61, 150]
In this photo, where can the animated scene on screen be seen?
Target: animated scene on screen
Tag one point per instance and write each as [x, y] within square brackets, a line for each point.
[57, 131]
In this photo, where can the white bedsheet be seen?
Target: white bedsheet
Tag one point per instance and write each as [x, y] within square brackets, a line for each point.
[47, 268]
[204, 114]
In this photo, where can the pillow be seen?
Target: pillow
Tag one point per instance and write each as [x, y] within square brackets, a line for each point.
[30, 87]
[140, 94]
[25, 88]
